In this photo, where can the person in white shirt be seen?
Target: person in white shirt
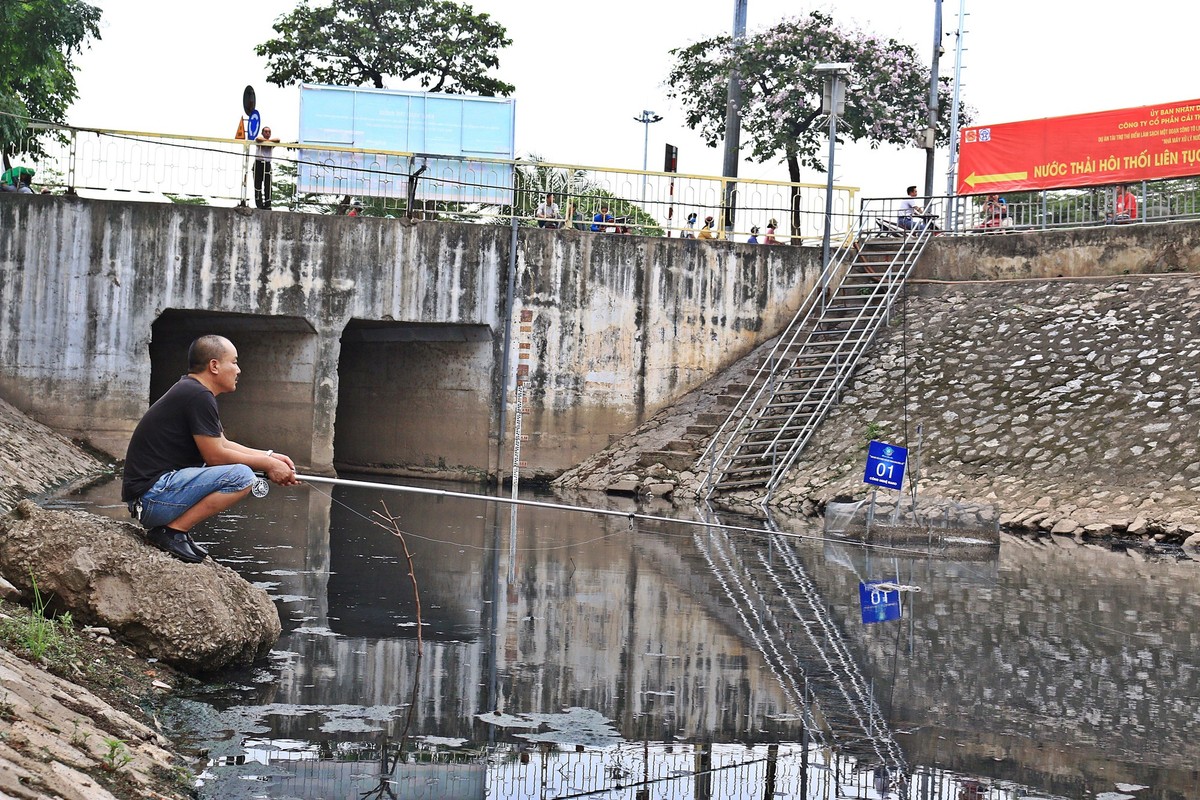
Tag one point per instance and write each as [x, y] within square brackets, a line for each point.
[262, 169]
[547, 213]
[910, 211]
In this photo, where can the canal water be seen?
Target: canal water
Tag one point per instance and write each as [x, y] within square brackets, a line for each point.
[560, 654]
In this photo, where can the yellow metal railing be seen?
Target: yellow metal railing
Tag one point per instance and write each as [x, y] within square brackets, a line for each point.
[332, 179]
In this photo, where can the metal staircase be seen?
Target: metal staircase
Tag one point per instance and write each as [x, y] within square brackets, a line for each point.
[803, 376]
[787, 619]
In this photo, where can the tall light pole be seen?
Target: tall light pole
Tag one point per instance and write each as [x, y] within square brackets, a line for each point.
[833, 102]
[647, 118]
[733, 114]
[931, 131]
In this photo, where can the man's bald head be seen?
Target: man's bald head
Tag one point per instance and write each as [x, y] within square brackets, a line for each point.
[204, 350]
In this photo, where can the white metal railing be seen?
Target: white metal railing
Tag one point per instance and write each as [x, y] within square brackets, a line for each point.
[1158, 201]
[326, 179]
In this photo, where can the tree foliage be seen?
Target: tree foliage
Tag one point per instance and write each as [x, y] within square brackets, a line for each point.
[781, 92]
[444, 46]
[38, 42]
[578, 195]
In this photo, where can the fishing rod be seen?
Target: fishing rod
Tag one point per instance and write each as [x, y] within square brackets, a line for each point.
[632, 516]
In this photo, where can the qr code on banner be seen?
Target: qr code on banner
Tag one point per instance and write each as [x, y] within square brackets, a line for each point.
[985, 134]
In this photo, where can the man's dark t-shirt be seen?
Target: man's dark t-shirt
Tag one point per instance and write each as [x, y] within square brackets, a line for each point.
[163, 441]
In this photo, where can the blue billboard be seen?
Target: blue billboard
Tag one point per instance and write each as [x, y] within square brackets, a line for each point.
[447, 134]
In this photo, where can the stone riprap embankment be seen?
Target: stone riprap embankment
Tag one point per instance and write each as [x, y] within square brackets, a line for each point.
[58, 736]
[34, 459]
[1072, 405]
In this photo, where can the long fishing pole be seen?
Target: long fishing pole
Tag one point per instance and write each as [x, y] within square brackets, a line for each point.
[629, 515]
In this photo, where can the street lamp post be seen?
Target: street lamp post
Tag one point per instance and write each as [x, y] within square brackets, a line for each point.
[647, 118]
[833, 102]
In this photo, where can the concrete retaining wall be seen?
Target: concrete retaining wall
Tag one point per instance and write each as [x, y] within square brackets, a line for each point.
[624, 326]
[99, 299]
[1102, 250]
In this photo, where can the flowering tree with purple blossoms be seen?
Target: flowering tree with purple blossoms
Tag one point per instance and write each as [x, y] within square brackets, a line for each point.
[781, 92]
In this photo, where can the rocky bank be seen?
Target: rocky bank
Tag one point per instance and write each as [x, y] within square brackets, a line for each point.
[1072, 405]
[77, 723]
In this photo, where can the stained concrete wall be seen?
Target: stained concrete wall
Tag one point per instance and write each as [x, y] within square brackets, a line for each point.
[84, 285]
[98, 300]
[625, 325]
[1079, 252]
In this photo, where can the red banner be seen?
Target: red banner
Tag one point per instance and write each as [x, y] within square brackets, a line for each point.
[1123, 146]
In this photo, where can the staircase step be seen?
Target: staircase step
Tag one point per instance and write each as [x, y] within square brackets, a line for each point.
[742, 471]
[710, 418]
[807, 372]
[724, 484]
[826, 332]
[672, 460]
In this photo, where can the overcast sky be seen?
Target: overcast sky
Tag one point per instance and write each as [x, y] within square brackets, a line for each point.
[585, 70]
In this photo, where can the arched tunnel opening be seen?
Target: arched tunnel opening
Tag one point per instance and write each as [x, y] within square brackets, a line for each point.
[273, 405]
[415, 399]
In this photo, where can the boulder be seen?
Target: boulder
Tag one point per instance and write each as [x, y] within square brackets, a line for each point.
[196, 617]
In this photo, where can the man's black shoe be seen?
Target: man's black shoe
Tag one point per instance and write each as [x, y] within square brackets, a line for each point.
[200, 551]
[173, 543]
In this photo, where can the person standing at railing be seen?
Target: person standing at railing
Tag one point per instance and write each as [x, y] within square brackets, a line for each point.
[690, 231]
[753, 236]
[548, 215]
[994, 213]
[603, 221]
[770, 237]
[1127, 204]
[262, 168]
[706, 230]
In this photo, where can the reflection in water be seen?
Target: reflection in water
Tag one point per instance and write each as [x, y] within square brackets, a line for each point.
[585, 656]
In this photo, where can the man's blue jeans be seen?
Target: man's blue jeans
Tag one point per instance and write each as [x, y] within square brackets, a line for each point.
[176, 492]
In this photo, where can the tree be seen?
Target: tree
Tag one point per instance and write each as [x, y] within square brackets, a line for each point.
[781, 92]
[38, 41]
[444, 45]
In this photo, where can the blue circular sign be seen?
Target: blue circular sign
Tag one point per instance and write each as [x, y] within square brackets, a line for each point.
[254, 125]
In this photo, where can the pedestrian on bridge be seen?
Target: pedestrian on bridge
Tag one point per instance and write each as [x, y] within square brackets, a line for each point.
[262, 168]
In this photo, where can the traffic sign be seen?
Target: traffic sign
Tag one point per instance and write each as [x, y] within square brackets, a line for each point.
[253, 125]
[885, 465]
[878, 604]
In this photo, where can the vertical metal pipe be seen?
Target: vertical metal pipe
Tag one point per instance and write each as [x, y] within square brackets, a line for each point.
[829, 187]
[951, 172]
[510, 298]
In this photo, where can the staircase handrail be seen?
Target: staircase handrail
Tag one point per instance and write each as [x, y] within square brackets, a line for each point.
[814, 300]
[860, 344]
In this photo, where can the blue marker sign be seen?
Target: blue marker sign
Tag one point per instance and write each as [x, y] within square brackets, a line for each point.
[253, 125]
[885, 465]
[878, 605]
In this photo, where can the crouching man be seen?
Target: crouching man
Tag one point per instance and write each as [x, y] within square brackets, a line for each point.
[179, 468]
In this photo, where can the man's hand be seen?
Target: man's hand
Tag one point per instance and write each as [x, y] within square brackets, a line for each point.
[282, 471]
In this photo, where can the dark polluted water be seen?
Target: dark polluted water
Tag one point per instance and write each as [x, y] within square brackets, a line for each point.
[571, 655]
